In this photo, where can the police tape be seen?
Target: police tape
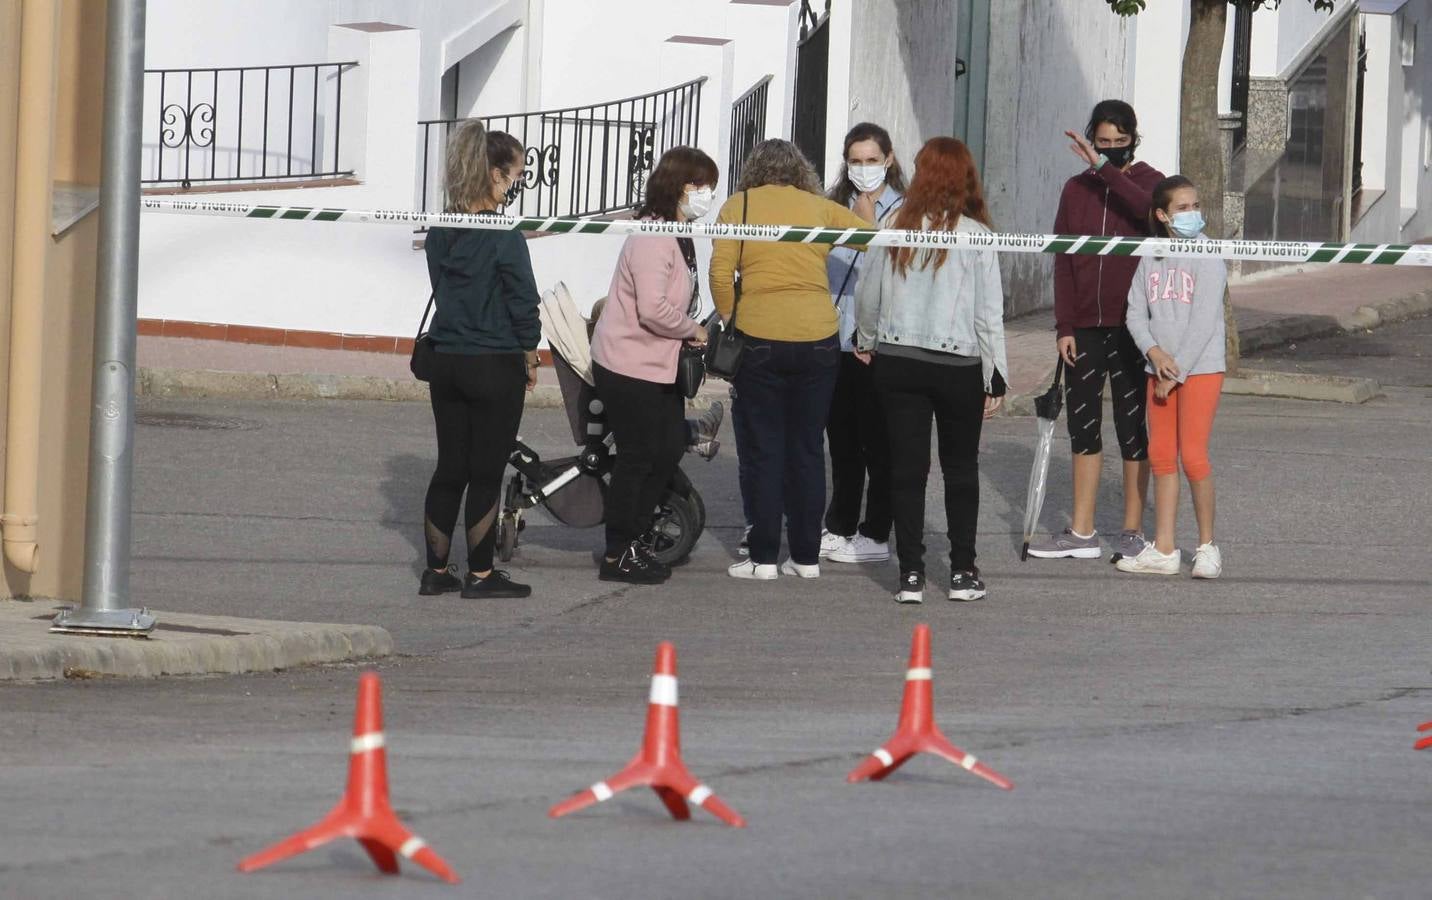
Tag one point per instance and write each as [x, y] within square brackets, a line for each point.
[1082, 245]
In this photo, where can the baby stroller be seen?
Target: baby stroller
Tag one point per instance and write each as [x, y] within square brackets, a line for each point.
[573, 489]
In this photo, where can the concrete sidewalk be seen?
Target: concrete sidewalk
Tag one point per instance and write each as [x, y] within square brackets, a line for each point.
[1312, 302]
[181, 644]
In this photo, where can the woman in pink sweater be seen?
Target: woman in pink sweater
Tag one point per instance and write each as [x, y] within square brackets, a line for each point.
[647, 316]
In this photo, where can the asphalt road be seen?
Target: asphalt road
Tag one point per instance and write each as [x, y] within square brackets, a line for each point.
[1250, 737]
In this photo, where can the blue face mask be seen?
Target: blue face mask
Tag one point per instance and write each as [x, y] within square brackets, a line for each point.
[1188, 224]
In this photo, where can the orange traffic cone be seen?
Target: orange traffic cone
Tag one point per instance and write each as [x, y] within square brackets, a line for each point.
[364, 812]
[917, 731]
[658, 763]
[1426, 742]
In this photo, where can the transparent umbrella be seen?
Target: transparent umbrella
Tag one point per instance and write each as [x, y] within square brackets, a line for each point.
[1046, 410]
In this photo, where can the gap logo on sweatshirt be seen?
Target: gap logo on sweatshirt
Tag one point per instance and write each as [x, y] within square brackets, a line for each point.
[1171, 284]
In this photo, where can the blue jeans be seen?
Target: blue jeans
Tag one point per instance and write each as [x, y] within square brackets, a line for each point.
[784, 390]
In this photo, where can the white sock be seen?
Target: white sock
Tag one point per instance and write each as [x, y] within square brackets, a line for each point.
[1084, 537]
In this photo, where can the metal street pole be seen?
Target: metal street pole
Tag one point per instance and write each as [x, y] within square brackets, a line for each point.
[111, 458]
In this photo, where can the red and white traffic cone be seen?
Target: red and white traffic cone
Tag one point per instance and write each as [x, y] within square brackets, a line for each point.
[1426, 742]
[364, 812]
[657, 764]
[917, 731]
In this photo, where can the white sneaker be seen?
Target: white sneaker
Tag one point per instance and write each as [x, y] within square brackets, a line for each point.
[860, 549]
[754, 571]
[1207, 561]
[832, 543]
[791, 567]
[1151, 562]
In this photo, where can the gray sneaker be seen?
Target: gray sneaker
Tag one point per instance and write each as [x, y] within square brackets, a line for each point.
[1128, 544]
[1067, 545]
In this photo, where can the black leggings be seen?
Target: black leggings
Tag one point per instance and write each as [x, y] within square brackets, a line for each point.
[859, 447]
[648, 421]
[477, 406]
[1106, 353]
[913, 393]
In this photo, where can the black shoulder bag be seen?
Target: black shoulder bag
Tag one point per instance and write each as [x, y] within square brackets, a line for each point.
[421, 362]
[725, 345]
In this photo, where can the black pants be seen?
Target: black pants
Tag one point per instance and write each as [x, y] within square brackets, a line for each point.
[859, 446]
[1111, 353]
[784, 390]
[648, 421]
[913, 392]
[477, 406]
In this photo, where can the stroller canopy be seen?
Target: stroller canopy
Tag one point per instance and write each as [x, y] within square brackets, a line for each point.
[566, 330]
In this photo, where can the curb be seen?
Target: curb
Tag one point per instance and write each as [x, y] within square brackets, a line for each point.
[182, 644]
[1293, 328]
[200, 384]
[1301, 386]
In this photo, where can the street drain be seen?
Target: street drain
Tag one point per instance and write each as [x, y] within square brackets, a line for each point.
[193, 422]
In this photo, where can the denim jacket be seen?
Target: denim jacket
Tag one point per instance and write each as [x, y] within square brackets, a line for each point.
[843, 268]
[958, 308]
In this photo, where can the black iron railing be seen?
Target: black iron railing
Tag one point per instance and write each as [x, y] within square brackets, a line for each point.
[582, 160]
[1242, 59]
[748, 126]
[810, 18]
[258, 123]
[812, 74]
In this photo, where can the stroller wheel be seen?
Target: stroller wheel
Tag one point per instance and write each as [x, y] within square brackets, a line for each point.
[678, 524]
[507, 528]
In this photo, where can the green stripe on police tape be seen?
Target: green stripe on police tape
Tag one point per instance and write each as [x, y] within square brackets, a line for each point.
[1276, 251]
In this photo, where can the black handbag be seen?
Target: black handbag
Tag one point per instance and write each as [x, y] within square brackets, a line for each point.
[690, 370]
[724, 344]
[421, 362]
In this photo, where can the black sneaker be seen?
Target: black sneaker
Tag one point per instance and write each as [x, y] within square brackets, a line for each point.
[434, 583]
[967, 585]
[656, 565]
[912, 588]
[632, 567]
[496, 586]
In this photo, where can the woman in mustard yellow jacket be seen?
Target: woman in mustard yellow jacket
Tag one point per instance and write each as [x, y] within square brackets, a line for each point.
[785, 381]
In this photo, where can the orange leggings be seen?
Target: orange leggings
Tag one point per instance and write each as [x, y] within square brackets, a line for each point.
[1180, 425]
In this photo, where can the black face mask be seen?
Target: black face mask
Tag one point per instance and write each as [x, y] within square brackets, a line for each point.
[1118, 156]
[513, 191]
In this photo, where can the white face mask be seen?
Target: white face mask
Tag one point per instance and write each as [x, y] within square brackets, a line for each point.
[697, 203]
[867, 178]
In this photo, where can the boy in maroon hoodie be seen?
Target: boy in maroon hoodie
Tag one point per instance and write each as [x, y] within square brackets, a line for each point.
[1111, 197]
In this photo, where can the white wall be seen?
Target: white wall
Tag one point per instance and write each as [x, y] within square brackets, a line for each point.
[1279, 35]
[450, 29]
[1395, 130]
[187, 34]
[1158, 35]
[898, 44]
[1037, 90]
[594, 52]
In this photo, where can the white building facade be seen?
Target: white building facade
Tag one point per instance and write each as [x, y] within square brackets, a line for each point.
[345, 104]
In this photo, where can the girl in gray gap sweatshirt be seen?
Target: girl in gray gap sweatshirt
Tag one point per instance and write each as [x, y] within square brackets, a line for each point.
[1175, 316]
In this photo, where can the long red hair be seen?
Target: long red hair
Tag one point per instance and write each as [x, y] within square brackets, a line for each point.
[946, 186]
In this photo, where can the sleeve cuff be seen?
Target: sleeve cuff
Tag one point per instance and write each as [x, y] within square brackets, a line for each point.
[997, 387]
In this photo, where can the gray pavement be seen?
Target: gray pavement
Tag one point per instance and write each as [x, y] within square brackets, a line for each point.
[1250, 737]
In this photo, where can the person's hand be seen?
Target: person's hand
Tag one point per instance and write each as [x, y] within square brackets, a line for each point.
[700, 338]
[1083, 149]
[1067, 350]
[865, 207]
[865, 356]
[1164, 388]
[992, 405]
[533, 363]
[1164, 366]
